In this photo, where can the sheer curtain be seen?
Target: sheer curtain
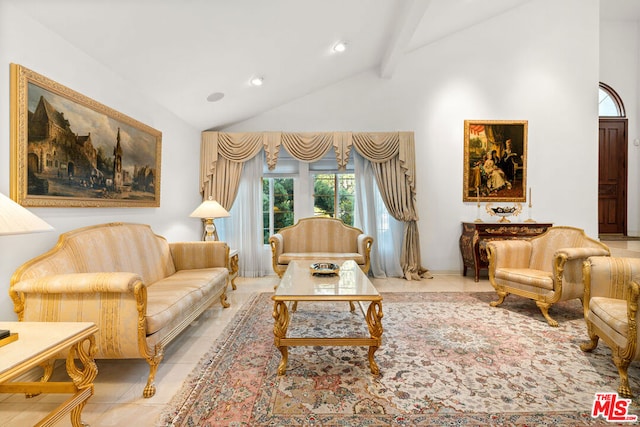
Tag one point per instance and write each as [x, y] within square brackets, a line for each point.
[243, 229]
[372, 217]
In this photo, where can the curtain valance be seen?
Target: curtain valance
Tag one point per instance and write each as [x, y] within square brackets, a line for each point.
[392, 155]
[377, 147]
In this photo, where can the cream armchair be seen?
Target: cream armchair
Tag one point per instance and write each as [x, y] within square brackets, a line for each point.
[545, 268]
[611, 297]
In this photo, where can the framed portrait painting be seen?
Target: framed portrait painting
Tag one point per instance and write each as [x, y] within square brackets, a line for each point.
[68, 150]
[495, 161]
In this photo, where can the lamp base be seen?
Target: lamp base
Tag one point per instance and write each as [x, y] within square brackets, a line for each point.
[210, 232]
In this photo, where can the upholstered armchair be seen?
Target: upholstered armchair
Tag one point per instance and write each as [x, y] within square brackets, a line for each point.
[611, 297]
[545, 268]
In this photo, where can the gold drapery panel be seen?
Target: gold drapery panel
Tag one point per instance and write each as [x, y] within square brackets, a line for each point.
[208, 159]
[239, 148]
[392, 155]
[377, 147]
[227, 181]
[342, 142]
[222, 156]
[307, 147]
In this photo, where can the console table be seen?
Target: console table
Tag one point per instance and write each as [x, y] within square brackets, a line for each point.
[475, 235]
[38, 344]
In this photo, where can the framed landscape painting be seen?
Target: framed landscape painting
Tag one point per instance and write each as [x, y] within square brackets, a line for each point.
[68, 150]
[495, 161]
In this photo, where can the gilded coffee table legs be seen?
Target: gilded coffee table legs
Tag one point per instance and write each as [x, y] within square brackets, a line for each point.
[374, 322]
[81, 385]
[281, 316]
[82, 377]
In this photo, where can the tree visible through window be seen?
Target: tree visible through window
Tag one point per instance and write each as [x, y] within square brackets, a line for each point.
[334, 196]
[277, 205]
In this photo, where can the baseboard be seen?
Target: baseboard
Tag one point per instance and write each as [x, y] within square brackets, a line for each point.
[449, 273]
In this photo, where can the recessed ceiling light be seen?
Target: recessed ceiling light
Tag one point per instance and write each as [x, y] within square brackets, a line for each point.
[256, 81]
[340, 47]
[215, 97]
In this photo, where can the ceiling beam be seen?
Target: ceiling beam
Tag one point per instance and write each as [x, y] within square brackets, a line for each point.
[407, 21]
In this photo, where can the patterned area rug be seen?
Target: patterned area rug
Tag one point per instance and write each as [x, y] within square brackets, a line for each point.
[446, 359]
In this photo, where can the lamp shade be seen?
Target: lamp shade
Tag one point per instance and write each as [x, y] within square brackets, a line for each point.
[210, 209]
[14, 219]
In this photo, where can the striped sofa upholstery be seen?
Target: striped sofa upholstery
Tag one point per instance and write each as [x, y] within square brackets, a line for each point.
[546, 268]
[140, 290]
[611, 302]
[320, 239]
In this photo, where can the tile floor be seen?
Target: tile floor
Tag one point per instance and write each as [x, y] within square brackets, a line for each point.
[118, 397]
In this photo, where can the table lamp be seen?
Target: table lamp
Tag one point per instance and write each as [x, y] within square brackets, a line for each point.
[208, 211]
[14, 219]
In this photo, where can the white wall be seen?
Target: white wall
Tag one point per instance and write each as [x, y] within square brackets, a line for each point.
[538, 62]
[619, 50]
[26, 42]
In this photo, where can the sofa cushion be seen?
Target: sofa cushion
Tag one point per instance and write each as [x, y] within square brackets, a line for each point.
[613, 313]
[171, 297]
[287, 257]
[528, 276]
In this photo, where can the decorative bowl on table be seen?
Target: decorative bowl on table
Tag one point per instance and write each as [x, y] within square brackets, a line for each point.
[324, 268]
[504, 212]
[500, 211]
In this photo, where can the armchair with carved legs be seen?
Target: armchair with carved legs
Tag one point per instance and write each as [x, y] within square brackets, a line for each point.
[546, 268]
[611, 297]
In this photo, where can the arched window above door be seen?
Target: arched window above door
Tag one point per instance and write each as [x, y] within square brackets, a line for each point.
[609, 102]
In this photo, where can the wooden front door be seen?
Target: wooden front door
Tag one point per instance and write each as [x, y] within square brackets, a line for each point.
[612, 176]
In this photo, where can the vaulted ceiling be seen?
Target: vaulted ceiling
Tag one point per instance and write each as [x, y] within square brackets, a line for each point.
[179, 52]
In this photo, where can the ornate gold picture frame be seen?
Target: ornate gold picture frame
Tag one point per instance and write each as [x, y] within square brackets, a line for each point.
[68, 150]
[495, 161]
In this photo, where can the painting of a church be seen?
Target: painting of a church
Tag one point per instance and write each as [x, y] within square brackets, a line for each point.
[77, 154]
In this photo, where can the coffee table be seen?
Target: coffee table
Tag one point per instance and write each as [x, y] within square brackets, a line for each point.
[38, 344]
[351, 285]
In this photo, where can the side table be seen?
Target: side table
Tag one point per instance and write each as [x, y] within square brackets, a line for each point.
[38, 344]
[475, 235]
[233, 267]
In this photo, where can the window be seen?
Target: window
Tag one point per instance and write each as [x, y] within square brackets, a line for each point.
[277, 205]
[334, 196]
[609, 102]
[320, 190]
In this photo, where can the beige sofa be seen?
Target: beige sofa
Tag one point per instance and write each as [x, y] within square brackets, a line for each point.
[140, 290]
[320, 239]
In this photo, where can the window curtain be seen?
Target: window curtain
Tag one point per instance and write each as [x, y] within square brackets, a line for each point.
[372, 215]
[221, 160]
[392, 155]
[243, 229]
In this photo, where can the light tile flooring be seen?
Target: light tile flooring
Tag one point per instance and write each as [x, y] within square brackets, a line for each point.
[118, 397]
